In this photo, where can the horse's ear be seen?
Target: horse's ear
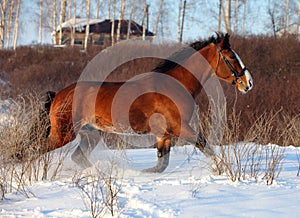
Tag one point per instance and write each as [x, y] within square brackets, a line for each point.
[224, 44]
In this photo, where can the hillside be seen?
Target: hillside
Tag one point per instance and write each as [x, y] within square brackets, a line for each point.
[274, 64]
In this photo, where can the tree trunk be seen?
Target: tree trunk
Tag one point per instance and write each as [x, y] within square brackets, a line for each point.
[54, 27]
[236, 16]
[81, 9]
[97, 8]
[220, 15]
[41, 22]
[109, 8]
[87, 29]
[2, 22]
[244, 17]
[74, 26]
[179, 21]
[62, 18]
[129, 21]
[145, 19]
[182, 21]
[272, 16]
[228, 16]
[16, 31]
[286, 29]
[121, 17]
[158, 15]
[113, 23]
[9, 22]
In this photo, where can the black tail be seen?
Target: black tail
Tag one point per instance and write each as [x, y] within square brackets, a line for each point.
[49, 99]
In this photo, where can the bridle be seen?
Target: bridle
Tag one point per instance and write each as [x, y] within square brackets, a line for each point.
[235, 73]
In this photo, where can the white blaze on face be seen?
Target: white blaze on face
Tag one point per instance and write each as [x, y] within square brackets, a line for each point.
[247, 73]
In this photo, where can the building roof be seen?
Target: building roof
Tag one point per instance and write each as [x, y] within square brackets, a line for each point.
[78, 23]
[102, 26]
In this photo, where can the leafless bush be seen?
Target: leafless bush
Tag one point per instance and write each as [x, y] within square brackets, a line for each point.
[273, 163]
[101, 189]
[248, 159]
[23, 144]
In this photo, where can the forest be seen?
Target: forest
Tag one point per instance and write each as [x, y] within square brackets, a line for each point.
[34, 22]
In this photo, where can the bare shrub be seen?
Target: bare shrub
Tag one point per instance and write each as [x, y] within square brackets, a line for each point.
[251, 161]
[23, 145]
[101, 189]
[241, 160]
[273, 163]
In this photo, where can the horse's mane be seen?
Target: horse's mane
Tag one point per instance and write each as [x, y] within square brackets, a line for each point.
[183, 54]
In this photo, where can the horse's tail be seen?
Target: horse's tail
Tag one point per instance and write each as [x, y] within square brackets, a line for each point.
[45, 114]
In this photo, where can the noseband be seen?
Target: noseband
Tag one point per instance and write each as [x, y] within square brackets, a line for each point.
[235, 73]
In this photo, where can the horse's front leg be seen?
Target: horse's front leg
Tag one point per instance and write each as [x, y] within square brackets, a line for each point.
[89, 138]
[163, 155]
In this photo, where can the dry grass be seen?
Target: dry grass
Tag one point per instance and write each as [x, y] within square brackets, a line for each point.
[255, 156]
[23, 144]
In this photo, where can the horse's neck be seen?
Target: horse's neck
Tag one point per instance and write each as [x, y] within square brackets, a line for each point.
[193, 73]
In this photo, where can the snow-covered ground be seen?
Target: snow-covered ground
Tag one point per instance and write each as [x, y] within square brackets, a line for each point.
[186, 189]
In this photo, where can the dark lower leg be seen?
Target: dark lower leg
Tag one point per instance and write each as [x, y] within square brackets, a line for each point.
[204, 147]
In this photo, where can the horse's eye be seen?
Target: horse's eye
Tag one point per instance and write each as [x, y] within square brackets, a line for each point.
[232, 56]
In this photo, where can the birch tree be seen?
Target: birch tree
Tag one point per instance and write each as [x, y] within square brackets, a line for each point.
[145, 19]
[113, 22]
[109, 8]
[74, 26]
[228, 16]
[3, 6]
[286, 29]
[40, 22]
[9, 23]
[62, 18]
[244, 17]
[182, 21]
[81, 8]
[179, 21]
[16, 29]
[97, 9]
[220, 15]
[130, 18]
[158, 15]
[236, 15]
[54, 25]
[87, 29]
[121, 17]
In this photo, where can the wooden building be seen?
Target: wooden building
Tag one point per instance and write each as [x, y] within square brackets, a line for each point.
[99, 31]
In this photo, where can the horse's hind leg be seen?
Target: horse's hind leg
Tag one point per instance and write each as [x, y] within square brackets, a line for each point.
[89, 139]
[163, 155]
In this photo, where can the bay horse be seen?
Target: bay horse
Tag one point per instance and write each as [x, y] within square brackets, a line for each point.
[161, 107]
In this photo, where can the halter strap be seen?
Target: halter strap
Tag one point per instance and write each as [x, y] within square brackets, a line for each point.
[235, 73]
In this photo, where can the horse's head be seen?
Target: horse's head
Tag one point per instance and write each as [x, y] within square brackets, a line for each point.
[228, 65]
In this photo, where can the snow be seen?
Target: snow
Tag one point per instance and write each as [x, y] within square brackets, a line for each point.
[186, 189]
[78, 23]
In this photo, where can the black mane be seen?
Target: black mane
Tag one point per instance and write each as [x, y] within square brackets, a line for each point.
[183, 54]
